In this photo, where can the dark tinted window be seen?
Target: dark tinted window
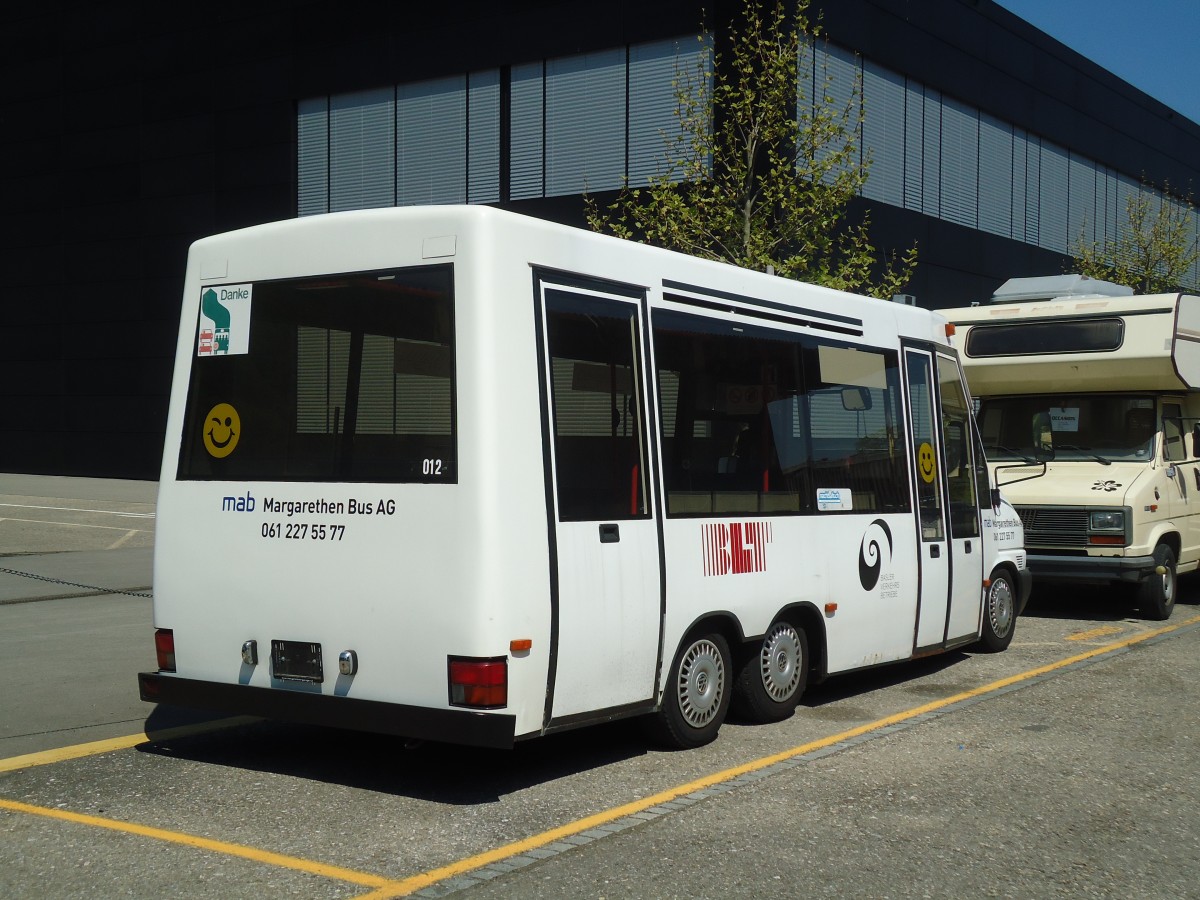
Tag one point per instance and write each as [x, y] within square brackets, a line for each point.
[339, 378]
[961, 475]
[1045, 337]
[599, 451]
[756, 420]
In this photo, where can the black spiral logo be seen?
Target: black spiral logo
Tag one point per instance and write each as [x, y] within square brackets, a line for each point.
[870, 554]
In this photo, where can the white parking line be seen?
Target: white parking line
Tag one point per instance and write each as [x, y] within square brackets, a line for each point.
[105, 512]
[117, 544]
[74, 524]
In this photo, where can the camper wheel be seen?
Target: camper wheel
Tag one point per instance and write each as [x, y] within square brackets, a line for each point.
[1156, 595]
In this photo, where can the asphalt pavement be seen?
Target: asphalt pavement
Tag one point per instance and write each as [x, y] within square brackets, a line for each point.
[76, 624]
[72, 537]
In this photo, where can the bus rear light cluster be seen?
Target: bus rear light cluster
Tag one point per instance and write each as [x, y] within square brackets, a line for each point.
[479, 683]
[164, 648]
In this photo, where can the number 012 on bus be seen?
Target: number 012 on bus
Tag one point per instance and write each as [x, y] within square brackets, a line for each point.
[457, 474]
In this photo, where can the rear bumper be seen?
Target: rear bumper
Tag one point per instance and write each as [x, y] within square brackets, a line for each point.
[1090, 569]
[477, 729]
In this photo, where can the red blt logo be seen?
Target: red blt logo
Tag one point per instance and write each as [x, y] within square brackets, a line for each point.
[736, 548]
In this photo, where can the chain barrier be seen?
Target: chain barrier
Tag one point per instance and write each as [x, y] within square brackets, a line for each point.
[89, 587]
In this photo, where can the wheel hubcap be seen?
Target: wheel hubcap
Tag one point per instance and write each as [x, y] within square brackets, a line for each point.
[701, 683]
[779, 662]
[1000, 606]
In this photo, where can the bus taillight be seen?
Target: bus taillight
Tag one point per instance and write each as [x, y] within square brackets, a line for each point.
[479, 683]
[164, 647]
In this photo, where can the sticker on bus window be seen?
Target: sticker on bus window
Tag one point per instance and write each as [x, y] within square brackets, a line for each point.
[222, 428]
[834, 498]
[926, 463]
[224, 320]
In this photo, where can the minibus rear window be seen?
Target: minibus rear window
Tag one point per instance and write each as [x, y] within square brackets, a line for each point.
[338, 378]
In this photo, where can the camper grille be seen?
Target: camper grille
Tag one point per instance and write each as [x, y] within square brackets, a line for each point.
[1048, 526]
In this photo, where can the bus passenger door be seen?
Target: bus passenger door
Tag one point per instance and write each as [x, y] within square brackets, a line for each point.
[607, 591]
[966, 543]
[934, 562]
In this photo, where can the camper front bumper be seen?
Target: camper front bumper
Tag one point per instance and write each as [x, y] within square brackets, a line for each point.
[477, 729]
[1090, 569]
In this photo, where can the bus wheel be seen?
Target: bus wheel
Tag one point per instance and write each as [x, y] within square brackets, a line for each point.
[771, 681]
[697, 695]
[999, 613]
[1156, 595]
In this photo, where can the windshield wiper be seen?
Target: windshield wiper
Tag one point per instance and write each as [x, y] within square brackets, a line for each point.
[1024, 457]
[1088, 451]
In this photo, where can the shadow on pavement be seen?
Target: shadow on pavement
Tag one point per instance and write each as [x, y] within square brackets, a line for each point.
[1101, 603]
[439, 773]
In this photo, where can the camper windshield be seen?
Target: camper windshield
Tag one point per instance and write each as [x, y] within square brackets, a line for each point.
[1096, 427]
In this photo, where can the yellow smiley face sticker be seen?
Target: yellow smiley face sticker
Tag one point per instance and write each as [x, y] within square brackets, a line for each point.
[926, 464]
[222, 428]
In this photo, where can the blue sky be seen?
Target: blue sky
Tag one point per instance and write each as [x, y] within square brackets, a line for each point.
[1149, 43]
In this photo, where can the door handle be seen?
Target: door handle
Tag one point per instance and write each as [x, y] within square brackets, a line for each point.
[935, 550]
[610, 533]
[968, 546]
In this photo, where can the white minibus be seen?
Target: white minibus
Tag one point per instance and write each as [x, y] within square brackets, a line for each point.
[458, 474]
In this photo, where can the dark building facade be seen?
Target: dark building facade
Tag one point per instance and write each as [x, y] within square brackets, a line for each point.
[131, 131]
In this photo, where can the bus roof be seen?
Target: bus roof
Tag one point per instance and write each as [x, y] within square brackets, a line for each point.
[360, 240]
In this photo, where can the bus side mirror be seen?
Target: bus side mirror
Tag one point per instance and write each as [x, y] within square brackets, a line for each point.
[855, 399]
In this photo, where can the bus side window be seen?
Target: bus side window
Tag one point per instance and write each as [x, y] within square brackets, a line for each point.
[598, 411]
[961, 478]
[983, 484]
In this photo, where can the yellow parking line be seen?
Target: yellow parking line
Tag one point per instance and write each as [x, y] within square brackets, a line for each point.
[190, 840]
[95, 748]
[406, 886]
[1102, 631]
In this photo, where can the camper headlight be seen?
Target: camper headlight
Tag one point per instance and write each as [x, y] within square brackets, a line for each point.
[1109, 520]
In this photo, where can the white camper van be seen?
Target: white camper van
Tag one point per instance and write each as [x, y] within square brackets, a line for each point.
[1095, 390]
[460, 474]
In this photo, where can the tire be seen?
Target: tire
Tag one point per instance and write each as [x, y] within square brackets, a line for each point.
[1156, 595]
[771, 680]
[999, 613]
[696, 698]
